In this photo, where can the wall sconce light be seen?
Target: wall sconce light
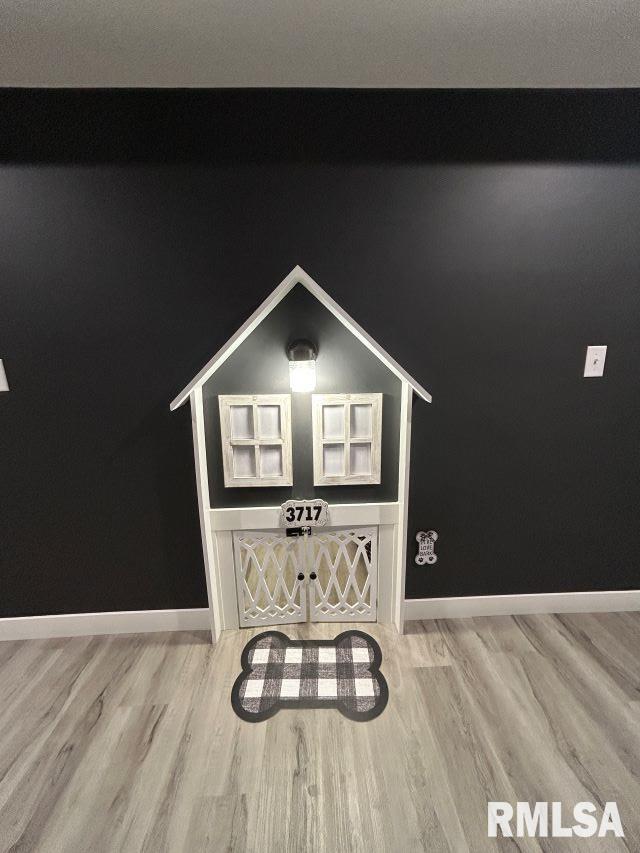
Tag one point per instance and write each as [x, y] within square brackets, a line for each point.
[302, 365]
[4, 385]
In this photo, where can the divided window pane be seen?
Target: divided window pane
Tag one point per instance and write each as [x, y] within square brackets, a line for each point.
[360, 459]
[244, 461]
[270, 460]
[269, 422]
[333, 421]
[333, 460]
[360, 420]
[241, 421]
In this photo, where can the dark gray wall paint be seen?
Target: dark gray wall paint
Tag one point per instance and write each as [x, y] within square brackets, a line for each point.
[260, 366]
[483, 238]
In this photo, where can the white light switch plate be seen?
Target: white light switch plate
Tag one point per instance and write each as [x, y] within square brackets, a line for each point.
[594, 363]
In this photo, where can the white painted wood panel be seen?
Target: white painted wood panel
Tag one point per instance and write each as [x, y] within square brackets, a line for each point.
[268, 517]
[225, 561]
[400, 566]
[386, 562]
[202, 487]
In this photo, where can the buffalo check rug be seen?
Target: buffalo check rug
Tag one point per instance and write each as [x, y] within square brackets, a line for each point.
[343, 673]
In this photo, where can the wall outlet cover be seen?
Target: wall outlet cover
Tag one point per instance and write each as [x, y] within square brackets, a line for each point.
[594, 362]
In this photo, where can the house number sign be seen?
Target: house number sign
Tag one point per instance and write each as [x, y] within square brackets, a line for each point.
[304, 513]
[426, 542]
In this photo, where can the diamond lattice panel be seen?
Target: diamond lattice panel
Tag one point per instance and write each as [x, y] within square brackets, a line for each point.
[346, 565]
[267, 567]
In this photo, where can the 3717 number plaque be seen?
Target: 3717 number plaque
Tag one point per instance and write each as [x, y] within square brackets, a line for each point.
[304, 513]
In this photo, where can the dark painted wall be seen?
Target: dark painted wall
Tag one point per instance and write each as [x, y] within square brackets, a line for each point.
[260, 366]
[483, 238]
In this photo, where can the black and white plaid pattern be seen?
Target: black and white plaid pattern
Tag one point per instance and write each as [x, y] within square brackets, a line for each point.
[282, 673]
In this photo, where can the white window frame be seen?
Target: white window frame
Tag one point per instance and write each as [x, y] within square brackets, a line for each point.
[283, 401]
[319, 401]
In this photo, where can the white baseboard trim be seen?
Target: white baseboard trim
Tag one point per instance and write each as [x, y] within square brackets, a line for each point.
[111, 622]
[513, 605]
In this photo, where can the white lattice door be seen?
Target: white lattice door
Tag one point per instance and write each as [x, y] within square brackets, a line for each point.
[270, 578]
[343, 575]
[335, 570]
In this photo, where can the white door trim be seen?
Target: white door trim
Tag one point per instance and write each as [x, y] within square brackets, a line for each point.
[513, 605]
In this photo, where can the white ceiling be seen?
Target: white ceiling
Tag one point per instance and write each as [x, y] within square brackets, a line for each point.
[377, 43]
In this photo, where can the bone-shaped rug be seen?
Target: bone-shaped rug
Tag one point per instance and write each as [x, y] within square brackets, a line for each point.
[343, 673]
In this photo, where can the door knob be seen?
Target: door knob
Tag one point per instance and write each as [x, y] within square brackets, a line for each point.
[300, 577]
[313, 576]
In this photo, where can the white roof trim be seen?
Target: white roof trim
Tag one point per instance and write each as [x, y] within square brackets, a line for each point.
[297, 275]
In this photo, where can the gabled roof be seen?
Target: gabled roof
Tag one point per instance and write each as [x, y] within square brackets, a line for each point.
[296, 276]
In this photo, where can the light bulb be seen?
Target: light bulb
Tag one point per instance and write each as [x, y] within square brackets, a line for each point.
[302, 375]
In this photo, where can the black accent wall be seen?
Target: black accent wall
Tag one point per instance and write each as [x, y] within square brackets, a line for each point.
[483, 238]
[343, 365]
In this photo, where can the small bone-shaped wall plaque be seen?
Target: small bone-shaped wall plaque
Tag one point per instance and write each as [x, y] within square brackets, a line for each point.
[426, 543]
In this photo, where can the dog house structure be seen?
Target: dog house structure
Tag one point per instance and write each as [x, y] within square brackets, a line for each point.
[302, 440]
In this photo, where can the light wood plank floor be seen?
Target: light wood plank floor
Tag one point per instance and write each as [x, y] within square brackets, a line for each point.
[130, 743]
